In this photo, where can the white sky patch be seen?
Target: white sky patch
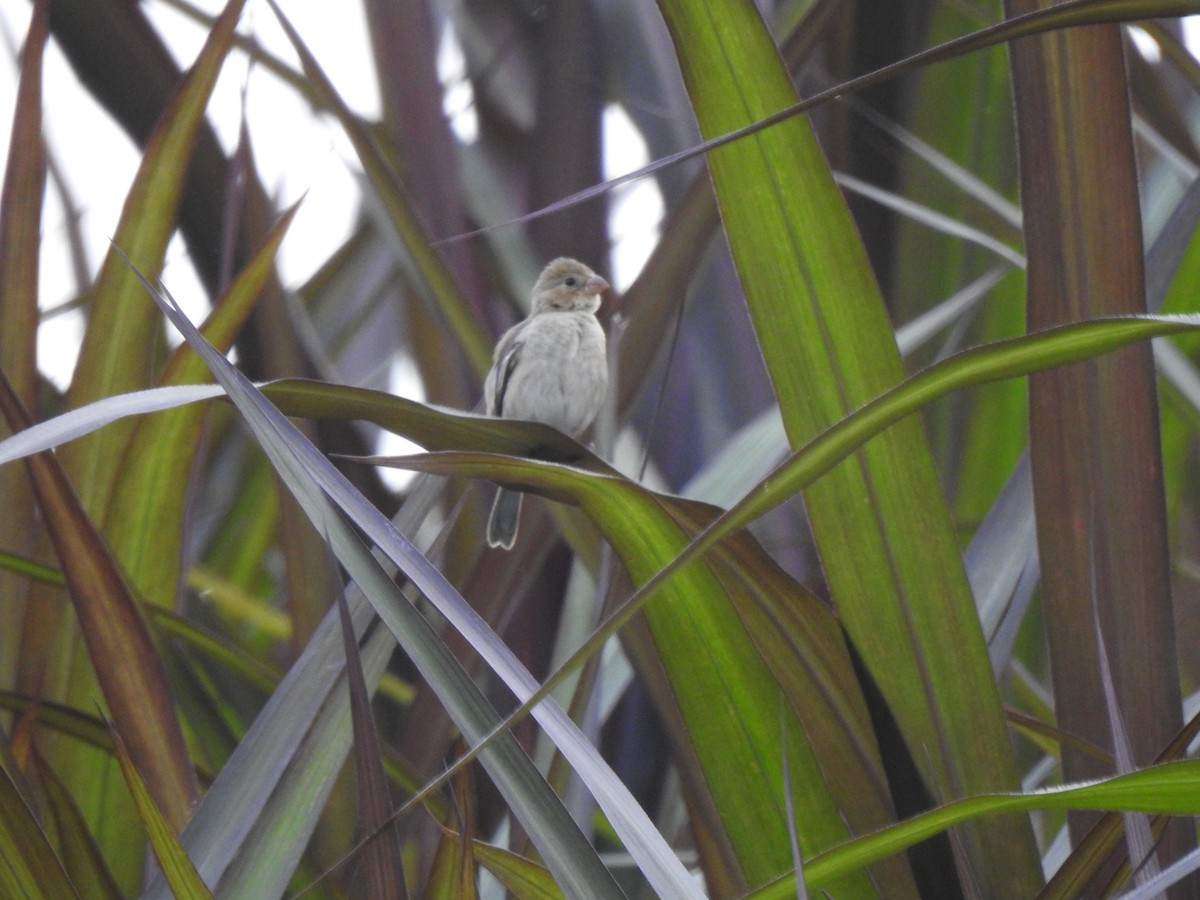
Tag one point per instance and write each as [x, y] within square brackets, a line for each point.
[459, 101]
[636, 209]
[1146, 45]
[296, 154]
[403, 381]
[58, 341]
[1191, 34]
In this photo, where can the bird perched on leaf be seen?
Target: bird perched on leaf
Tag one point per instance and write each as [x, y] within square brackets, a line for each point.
[550, 368]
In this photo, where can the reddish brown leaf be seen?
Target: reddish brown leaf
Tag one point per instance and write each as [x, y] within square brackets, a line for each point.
[383, 861]
[124, 657]
[1094, 431]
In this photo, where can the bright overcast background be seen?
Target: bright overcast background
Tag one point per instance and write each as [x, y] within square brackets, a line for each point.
[296, 153]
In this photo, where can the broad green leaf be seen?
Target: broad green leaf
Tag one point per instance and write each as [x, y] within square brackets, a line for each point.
[1171, 788]
[883, 533]
[123, 337]
[747, 653]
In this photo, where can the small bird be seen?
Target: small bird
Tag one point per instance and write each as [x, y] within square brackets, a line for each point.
[550, 368]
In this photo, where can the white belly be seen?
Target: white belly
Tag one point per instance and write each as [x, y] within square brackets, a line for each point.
[562, 373]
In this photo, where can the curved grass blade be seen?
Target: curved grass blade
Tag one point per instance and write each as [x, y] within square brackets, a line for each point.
[980, 365]
[1170, 788]
[311, 478]
[442, 429]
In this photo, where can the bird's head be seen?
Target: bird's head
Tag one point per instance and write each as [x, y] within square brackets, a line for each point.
[567, 284]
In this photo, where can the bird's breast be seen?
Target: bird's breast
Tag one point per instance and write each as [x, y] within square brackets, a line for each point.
[562, 374]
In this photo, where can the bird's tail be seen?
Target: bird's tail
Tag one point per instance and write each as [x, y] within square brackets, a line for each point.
[506, 514]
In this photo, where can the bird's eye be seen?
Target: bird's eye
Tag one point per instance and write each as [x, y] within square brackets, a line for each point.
[571, 281]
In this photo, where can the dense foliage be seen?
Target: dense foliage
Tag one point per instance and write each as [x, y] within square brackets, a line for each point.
[832, 592]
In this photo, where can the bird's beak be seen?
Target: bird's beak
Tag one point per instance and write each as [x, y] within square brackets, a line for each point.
[595, 285]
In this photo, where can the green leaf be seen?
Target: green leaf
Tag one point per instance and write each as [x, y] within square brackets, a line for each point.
[744, 648]
[145, 522]
[884, 536]
[524, 879]
[1172, 789]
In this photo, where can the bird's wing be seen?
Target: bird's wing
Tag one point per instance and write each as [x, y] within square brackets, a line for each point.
[506, 364]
